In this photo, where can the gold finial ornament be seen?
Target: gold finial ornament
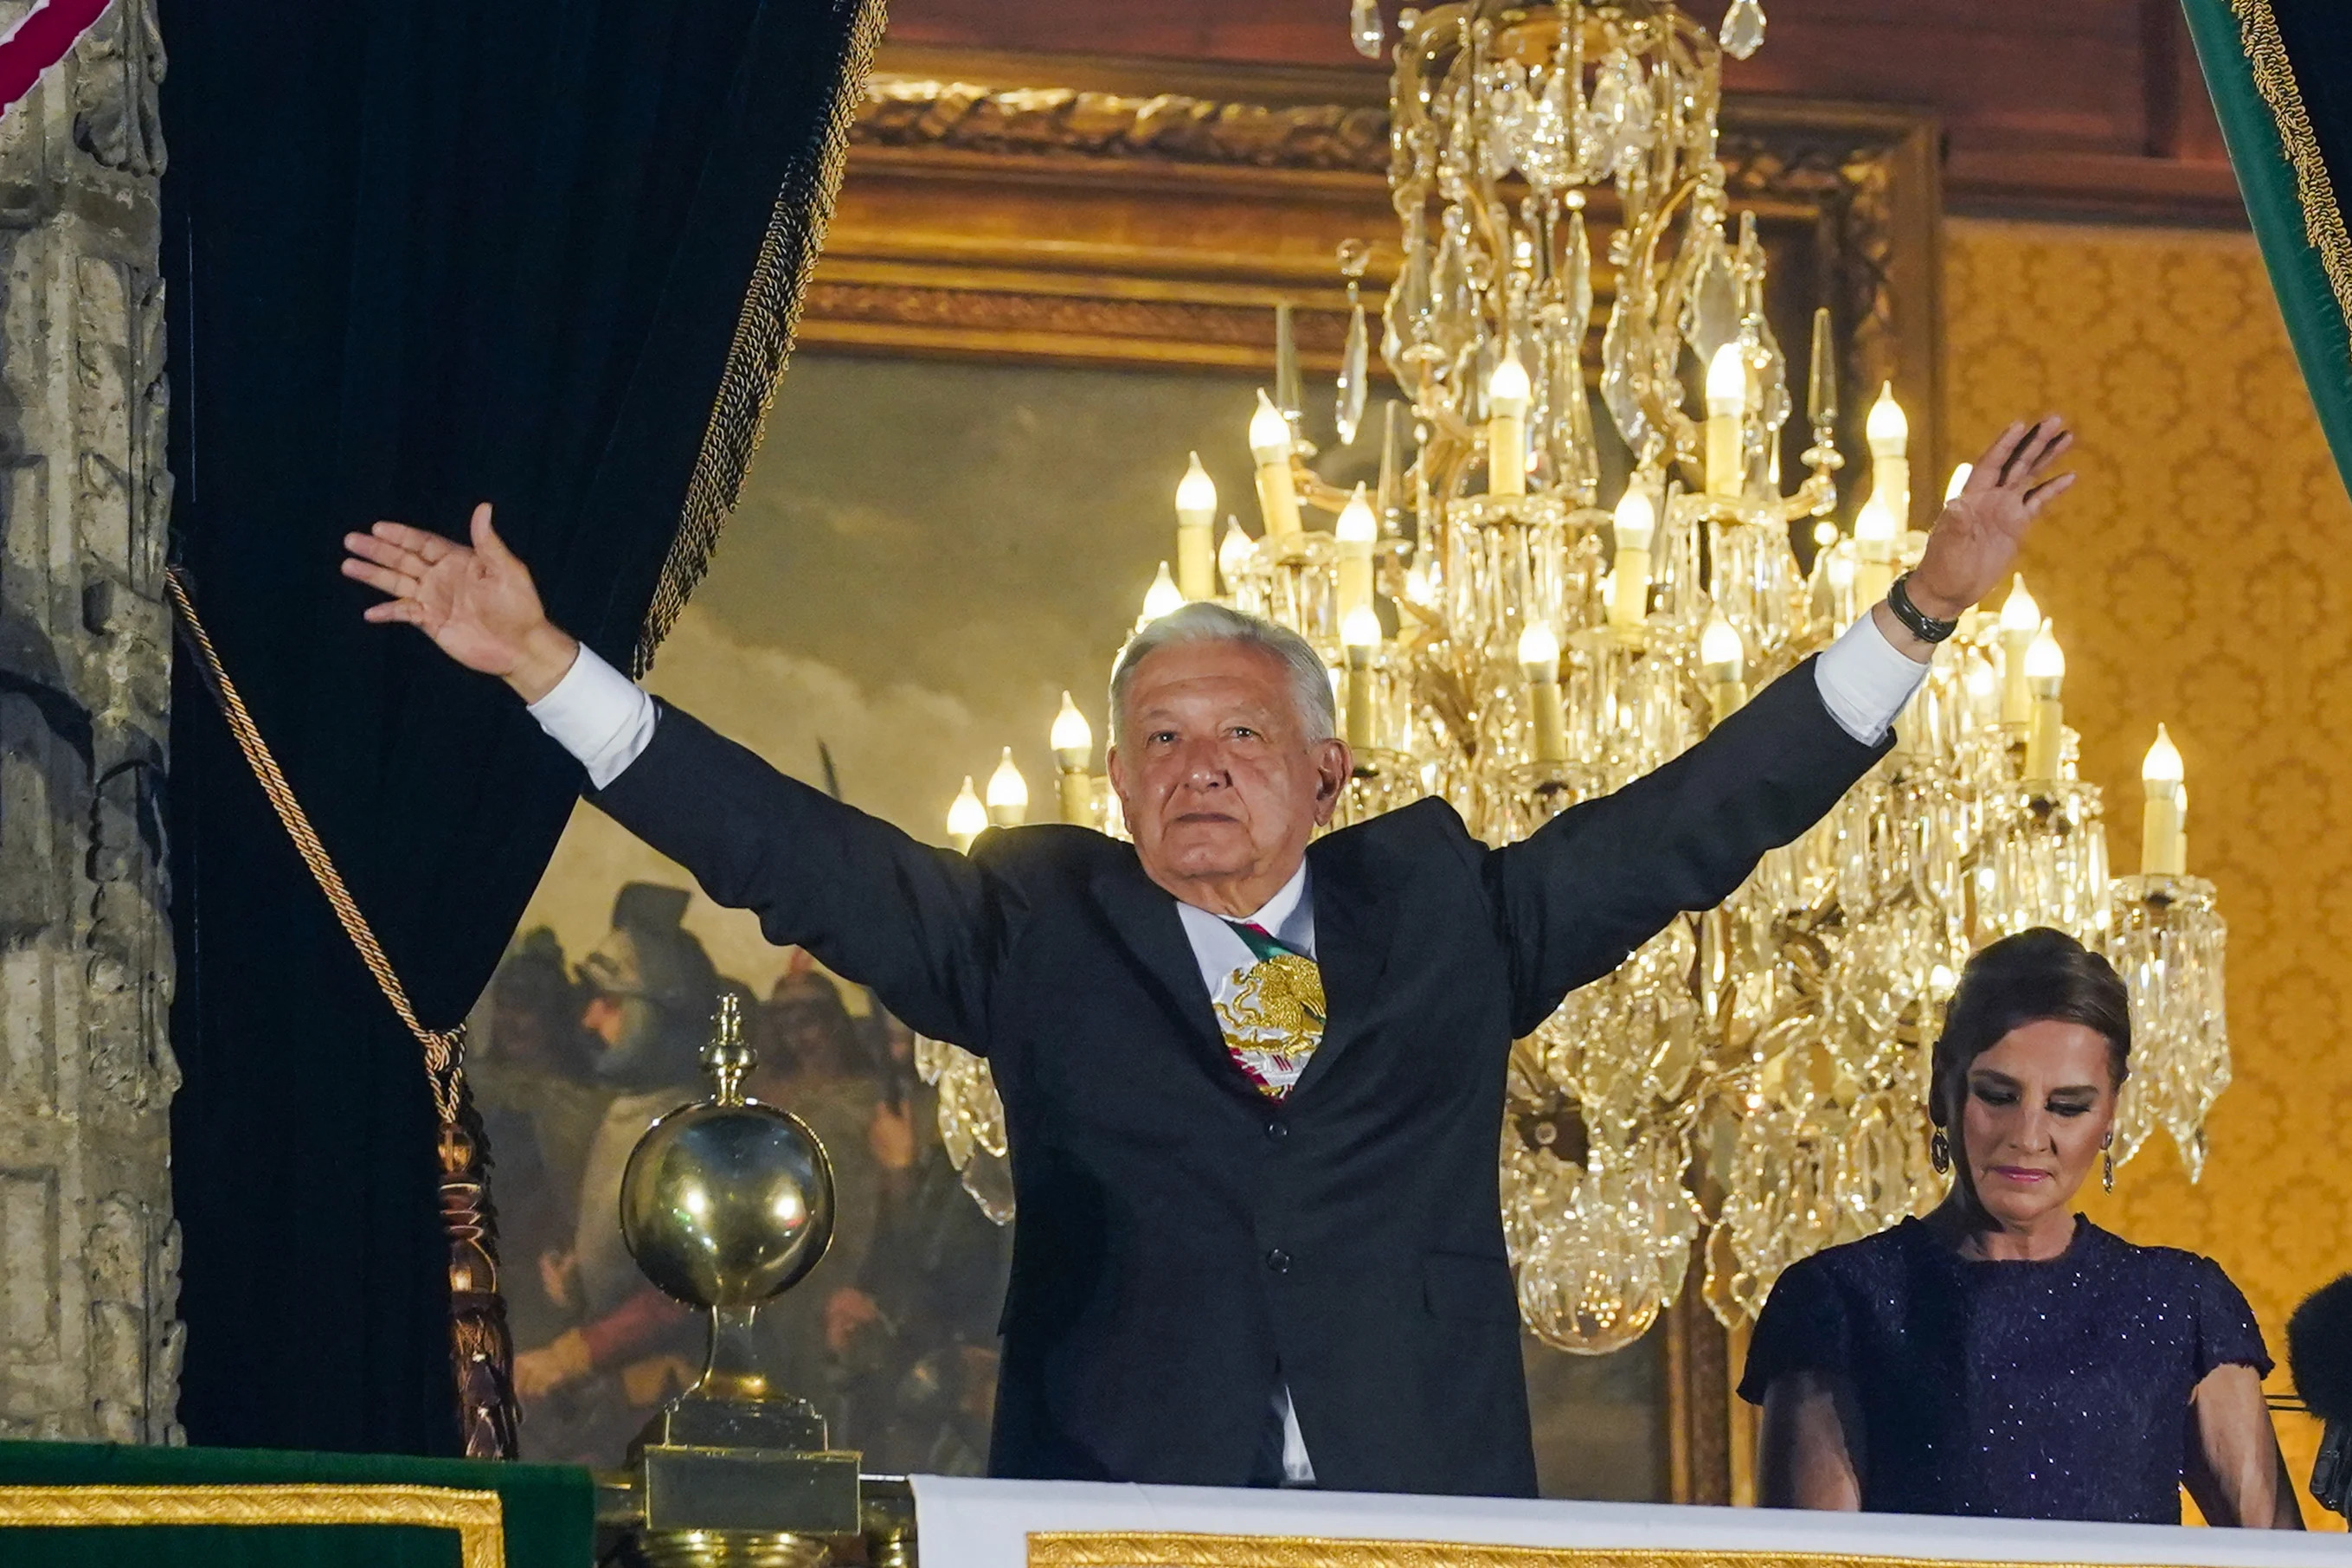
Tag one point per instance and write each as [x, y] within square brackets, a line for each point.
[726, 1204]
[727, 1058]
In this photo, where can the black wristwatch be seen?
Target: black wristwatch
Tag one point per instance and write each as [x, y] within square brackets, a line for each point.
[1918, 621]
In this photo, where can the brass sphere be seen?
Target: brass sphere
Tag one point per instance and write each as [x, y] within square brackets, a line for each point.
[725, 1204]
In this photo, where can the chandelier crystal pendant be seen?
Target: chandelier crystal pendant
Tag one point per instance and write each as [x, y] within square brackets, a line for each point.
[1750, 1086]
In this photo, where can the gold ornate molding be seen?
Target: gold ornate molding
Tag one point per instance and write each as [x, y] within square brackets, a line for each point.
[1061, 326]
[914, 111]
[1151, 214]
[478, 1517]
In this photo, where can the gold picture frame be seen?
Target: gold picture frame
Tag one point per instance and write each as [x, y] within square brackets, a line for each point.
[1086, 210]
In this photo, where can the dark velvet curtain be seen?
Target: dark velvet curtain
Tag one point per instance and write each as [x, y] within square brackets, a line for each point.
[2280, 75]
[420, 253]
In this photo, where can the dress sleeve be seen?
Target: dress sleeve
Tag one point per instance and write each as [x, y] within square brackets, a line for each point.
[1803, 1328]
[2227, 1334]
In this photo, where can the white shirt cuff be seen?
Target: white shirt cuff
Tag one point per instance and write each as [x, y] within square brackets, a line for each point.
[599, 715]
[1865, 680]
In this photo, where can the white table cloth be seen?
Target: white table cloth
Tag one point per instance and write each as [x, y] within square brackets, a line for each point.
[968, 1523]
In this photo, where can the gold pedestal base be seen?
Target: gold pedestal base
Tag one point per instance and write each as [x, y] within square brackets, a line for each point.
[729, 1548]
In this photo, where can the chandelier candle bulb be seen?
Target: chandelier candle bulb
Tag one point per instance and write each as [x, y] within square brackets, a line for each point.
[1841, 582]
[1359, 634]
[1983, 688]
[1357, 530]
[1269, 439]
[1008, 794]
[966, 818]
[1727, 405]
[1539, 662]
[1234, 556]
[1636, 527]
[1078, 791]
[1959, 483]
[2045, 677]
[1724, 659]
[1164, 597]
[1196, 525]
[1873, 553]
[2163, 835]
[1507, 394]
[2020, 619]
[1073, 740]
[1889, 436]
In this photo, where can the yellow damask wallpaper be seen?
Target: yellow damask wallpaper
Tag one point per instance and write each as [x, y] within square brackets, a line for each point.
[2201, 574]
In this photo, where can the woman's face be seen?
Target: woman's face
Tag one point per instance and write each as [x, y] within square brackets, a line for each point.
[2035, 1110]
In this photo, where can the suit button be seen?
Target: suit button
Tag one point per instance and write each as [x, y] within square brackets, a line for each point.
[1278, 1130]
[1278, 1261]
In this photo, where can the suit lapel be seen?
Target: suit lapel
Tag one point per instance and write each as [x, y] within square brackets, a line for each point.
[1355, 931]
[1143, 919]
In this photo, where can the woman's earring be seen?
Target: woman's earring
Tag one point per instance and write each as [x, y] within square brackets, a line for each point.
[2108, 1163]
[1939, 1153]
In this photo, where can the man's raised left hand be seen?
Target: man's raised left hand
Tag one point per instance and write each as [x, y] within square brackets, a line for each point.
[1974, 543]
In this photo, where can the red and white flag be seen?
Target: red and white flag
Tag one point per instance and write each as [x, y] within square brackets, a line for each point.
[40, 40]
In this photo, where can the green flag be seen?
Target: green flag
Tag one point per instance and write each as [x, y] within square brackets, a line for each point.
[2280, 75]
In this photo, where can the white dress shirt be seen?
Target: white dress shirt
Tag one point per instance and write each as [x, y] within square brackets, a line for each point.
[606, 720]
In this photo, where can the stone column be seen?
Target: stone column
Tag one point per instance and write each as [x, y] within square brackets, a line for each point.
[88, 1253]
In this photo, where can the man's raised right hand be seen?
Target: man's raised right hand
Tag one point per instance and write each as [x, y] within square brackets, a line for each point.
[479, 603]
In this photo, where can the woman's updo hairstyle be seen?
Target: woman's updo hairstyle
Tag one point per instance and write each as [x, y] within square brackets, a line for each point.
[2034, 976]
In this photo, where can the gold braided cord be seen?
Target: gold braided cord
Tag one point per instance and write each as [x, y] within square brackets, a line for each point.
[441, 1047]
[2273, 72]
[478, 1517]
[1089, 1549]
[763, 344]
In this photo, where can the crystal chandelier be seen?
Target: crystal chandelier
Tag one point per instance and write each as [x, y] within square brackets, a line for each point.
[1757, 1074]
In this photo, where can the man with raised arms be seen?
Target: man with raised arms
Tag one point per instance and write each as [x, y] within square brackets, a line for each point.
[1254, 1086]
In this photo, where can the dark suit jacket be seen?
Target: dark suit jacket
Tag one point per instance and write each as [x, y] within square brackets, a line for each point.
[1184, 1245]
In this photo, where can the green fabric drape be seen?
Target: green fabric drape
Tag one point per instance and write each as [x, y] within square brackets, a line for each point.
[2280, 75]
[549, 1510]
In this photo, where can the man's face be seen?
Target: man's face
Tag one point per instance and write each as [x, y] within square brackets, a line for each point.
[603, 1018]
[1218, 781]
[812, 1034]
[523, 1033]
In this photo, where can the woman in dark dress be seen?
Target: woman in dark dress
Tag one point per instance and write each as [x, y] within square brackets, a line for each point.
[2005, 1355]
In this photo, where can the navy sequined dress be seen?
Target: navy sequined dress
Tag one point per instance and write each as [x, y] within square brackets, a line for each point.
[2056, 1389]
